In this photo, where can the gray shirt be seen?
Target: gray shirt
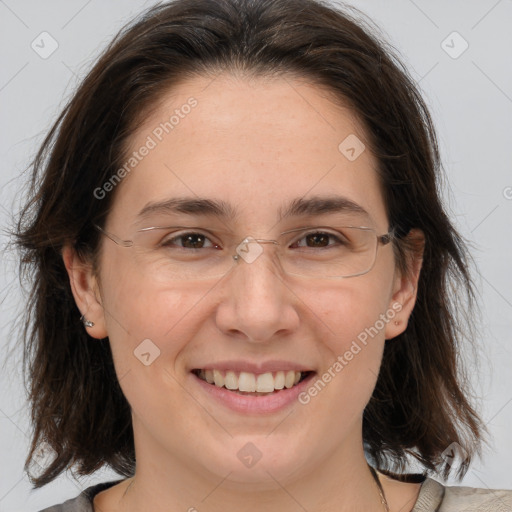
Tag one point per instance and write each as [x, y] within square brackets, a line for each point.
[433, 497]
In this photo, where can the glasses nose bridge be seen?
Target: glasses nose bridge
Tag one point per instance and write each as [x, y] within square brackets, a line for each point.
[249, 254]
[266, 241]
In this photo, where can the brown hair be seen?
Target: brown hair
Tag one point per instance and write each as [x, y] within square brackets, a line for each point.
[419, 406]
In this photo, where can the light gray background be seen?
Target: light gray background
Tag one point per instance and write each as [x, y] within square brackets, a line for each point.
[470, 98]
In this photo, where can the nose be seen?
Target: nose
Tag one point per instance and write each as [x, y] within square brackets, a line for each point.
[258, 303]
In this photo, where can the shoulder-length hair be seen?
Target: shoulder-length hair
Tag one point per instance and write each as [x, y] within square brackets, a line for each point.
[420, 403]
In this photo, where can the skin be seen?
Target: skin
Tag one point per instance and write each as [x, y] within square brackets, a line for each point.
[256, 144]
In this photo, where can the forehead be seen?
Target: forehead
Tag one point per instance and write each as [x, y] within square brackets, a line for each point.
[255, 144]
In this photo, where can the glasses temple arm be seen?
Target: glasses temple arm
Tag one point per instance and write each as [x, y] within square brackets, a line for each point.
[114, 238]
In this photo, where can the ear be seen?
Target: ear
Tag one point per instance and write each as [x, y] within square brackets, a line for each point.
[84, 286]
[406, 286]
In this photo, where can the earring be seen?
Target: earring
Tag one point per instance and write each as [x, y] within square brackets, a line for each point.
[87, 323]
[397, 322]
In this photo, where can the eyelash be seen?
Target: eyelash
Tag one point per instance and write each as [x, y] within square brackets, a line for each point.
[170, 241]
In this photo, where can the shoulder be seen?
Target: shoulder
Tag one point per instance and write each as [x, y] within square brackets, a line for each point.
[84, 501]
[476, 499]
[434, 496]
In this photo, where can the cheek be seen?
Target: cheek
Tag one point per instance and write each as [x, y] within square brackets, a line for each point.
[137, 310]
[349, 311]
[351, 337]
[148, 329]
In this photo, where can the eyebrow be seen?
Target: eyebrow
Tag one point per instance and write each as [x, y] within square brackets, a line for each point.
[313, 206]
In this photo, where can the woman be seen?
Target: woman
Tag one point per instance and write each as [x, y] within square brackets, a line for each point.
[243, 273]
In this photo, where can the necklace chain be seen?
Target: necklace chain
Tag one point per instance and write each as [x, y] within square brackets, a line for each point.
[381, 490]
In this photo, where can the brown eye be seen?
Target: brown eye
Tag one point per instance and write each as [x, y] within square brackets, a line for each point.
[193, 240]
[189, 241]
[318, 240]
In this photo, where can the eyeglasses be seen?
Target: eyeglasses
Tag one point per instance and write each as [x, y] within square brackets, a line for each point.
[194, 253]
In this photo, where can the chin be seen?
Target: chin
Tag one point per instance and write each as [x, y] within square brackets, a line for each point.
[259, 461]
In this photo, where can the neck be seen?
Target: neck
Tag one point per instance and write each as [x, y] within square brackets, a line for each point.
[339, 482]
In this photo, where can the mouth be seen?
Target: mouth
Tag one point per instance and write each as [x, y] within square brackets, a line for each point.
[251, 384]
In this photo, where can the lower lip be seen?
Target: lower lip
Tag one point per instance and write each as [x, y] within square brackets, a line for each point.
[254, 404]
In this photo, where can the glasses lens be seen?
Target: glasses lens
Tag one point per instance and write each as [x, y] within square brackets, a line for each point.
[190, 254]
[331, 252]
[179, 253]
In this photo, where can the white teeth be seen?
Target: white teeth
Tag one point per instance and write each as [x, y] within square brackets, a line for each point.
[279, 380]
[218, 378]
[265, 383]
[249, 382]
[230, 380]
[289, 379]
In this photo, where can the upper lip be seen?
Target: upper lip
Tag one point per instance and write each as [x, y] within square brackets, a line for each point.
[253, 367]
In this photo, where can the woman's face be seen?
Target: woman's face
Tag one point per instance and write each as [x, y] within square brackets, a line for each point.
[255, 146]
